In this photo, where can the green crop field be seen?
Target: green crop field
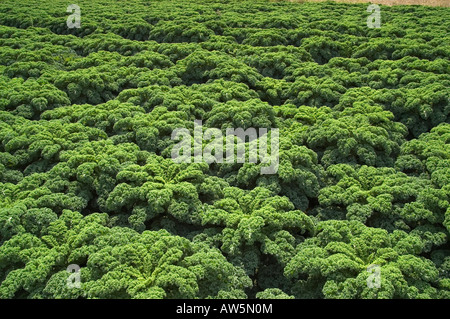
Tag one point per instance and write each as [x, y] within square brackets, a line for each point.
[116, 116]
[441, 3]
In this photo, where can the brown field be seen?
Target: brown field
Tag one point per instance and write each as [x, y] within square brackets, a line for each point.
[440, 3]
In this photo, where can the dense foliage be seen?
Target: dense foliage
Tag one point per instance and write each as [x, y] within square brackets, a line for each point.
[86, 175]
